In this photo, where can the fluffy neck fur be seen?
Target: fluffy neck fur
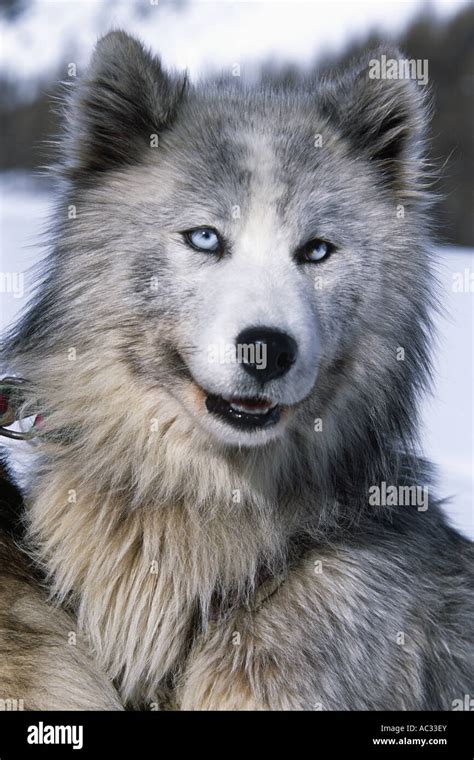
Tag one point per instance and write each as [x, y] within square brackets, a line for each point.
[139, 527]
[140, 523]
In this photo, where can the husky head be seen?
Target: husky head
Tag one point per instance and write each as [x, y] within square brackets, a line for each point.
[255, 254]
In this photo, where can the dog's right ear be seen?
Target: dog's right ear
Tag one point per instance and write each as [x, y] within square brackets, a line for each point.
[123, 101]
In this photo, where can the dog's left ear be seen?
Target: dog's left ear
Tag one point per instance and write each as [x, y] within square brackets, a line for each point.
[384, 118]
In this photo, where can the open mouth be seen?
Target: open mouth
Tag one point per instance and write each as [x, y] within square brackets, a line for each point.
[245, 413]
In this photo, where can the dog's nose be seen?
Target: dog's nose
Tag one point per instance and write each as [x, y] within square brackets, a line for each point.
[266, 354]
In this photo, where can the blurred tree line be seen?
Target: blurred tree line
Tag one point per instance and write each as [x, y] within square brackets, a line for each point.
[27, 124]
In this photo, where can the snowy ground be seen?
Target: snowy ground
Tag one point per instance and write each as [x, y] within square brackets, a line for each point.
[448, 415]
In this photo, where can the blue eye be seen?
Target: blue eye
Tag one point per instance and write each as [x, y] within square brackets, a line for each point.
[315, 251]
[204, 239]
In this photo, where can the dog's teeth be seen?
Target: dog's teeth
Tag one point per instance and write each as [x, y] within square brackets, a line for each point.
[252, 409]
[242, 408]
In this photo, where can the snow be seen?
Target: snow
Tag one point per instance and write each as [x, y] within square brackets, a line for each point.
[447, 415]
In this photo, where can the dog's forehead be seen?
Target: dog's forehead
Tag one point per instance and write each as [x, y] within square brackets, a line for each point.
[237, 138]
[235, 157]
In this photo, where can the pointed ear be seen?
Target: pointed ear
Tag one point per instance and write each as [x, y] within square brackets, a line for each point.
[385, 120]
[125, 97]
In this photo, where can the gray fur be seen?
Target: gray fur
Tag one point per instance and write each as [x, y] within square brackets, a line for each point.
[338, 604]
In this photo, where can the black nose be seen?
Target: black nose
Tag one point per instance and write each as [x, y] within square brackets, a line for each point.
[265, 353]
